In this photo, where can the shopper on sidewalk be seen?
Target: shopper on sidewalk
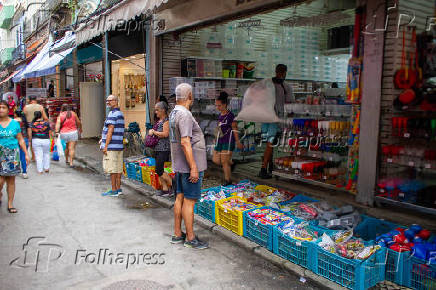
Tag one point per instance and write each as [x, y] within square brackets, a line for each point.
[226, 137]
[111, 144]
[24, 126]
[188, 155]
[29, 111]
[162, 151]
[39, 137]
[12, 106]
[271, 131]
[69, 127]
[10, 140]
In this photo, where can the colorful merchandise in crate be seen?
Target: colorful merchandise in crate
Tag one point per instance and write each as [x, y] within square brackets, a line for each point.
[322, 214]
[212, 195]
[415, 239]
[230, 213]
[268, 216]
[302, 231]
[344, 245]
[237, 204]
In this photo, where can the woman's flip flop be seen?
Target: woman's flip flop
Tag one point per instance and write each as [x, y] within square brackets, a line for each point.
[12, 210]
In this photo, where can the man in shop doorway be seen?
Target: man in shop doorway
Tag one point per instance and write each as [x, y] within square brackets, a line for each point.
[271, 131]
[111, 144]
[188, 156]
[50, 90]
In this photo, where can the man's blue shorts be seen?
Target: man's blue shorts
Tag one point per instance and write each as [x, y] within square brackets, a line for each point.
[269, 131]
[190, 190]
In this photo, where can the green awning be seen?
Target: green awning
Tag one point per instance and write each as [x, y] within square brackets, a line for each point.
[6, 15]
[6, 55]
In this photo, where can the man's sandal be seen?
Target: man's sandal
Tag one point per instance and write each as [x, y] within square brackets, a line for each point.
[12, 210]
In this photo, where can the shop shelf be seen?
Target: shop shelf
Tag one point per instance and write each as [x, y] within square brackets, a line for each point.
[396, 267]
[350, 273]
[233, 220]
[258, 232]
[420, 275]
[369, 228]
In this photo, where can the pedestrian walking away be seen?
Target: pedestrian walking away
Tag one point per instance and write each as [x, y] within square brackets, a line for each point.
[111, 144]
[29, 111]
[68, 128]
[21, 118]
[10, 140]
[227, 138]
[188, 156]
[162, 149]
[39, 137]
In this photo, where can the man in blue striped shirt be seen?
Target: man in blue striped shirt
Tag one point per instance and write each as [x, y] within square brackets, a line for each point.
[111, 144]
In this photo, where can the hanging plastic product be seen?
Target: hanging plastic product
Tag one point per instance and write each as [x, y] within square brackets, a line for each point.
[258, 103]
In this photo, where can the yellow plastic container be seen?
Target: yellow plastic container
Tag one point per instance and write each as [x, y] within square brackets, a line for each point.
[167, 165]
[233, 220]
[265, 188]
[146, 174]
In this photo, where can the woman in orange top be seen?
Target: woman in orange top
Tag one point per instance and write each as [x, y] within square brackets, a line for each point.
[69, 127]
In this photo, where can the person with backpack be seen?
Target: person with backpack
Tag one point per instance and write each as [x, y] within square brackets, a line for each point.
[68, 128]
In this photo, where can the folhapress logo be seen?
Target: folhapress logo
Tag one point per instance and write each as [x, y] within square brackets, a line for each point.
[38, 254]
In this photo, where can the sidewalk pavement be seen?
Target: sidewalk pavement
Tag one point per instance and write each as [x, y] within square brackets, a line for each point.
[88, 154]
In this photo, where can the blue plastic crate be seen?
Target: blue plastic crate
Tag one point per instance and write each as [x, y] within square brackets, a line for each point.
[420, 275]
[396, 267]
[131, 170]
[302, 198]
[370, 228]
[258, 232]
[298, 252]
[206, 209]
[350, 273]
[138, 172]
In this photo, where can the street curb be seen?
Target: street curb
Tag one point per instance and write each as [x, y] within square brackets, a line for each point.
[245, 243]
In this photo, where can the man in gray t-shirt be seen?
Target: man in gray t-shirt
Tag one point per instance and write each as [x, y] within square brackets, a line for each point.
[188, 156]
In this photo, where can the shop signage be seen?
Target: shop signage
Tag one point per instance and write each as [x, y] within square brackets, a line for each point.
[316, 21]
[249, 23]
[194, 12]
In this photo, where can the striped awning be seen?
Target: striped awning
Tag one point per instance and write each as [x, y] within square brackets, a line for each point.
[109, 19]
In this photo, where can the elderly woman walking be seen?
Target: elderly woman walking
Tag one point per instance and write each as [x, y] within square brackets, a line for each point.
[162, 149]
[11, 140]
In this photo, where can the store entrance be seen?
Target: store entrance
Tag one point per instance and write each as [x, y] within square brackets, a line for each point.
[314, 43]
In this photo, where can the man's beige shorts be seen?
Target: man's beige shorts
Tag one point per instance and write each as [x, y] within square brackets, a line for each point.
[113, 162]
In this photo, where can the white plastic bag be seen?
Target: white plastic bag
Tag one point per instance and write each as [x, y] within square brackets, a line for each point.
[258, 104]
[60, 147]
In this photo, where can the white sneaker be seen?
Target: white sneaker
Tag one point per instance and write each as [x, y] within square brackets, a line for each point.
[25, 176]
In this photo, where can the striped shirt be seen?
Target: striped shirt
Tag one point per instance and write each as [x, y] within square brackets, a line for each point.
[115, 118]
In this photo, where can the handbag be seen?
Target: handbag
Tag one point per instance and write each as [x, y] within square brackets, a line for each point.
[152, 140]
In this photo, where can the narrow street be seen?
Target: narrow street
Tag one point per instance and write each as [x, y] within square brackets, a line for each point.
[76, 239]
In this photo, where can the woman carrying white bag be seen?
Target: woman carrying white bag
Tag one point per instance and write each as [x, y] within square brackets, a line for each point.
[40, 135]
